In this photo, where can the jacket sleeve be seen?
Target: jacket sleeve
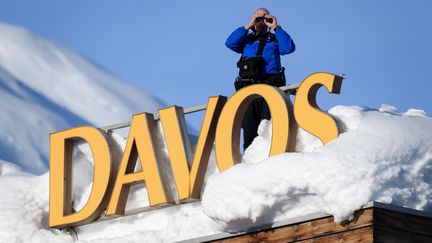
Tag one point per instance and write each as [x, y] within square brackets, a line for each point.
[286, 44]
[237, 40]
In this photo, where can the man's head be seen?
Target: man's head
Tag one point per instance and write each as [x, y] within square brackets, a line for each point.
[262, 11]
[260, 25]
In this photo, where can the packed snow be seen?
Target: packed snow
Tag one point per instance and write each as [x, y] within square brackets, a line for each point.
[382, 155]
[45, 88]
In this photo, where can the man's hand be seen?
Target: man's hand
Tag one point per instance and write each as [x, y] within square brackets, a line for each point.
[252, 21]
[271, 25]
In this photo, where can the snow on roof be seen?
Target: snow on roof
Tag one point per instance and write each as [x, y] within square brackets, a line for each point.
[383, 155]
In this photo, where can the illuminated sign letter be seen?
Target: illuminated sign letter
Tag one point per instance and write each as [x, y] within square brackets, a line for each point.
[60, 204]
[230, 120]
[221, 126]
[140, 143]
[189, 182]
[306, 111]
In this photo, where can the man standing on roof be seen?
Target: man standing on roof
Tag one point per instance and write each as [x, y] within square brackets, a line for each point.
[259, 64]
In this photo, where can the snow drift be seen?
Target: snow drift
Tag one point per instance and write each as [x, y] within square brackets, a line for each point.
[46, 88]
[383, 155]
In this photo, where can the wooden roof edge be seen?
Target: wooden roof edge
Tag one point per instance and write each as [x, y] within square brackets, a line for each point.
[309, 217]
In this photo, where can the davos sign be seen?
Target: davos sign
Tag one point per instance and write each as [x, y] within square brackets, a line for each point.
[221, 126]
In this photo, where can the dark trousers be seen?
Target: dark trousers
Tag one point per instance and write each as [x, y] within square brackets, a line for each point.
[257, 111]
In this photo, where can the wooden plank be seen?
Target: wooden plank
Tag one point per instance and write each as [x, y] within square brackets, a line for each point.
[326, 226]
[307, 230]
[363, 234]
[249, 238]
[377, 222]
[392, 226]
[357, 235]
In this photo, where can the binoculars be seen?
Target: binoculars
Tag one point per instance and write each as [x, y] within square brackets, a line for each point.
[261, 19]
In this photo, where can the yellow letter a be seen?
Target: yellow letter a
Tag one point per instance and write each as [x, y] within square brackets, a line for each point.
[140, 143]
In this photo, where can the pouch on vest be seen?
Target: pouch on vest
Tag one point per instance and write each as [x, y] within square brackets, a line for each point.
[250, 67]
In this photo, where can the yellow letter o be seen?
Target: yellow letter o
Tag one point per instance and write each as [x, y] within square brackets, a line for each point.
[230, 120]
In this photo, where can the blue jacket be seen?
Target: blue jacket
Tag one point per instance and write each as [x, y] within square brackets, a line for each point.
[241, 42]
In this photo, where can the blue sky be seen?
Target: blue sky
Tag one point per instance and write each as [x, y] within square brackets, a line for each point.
[175, 49]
